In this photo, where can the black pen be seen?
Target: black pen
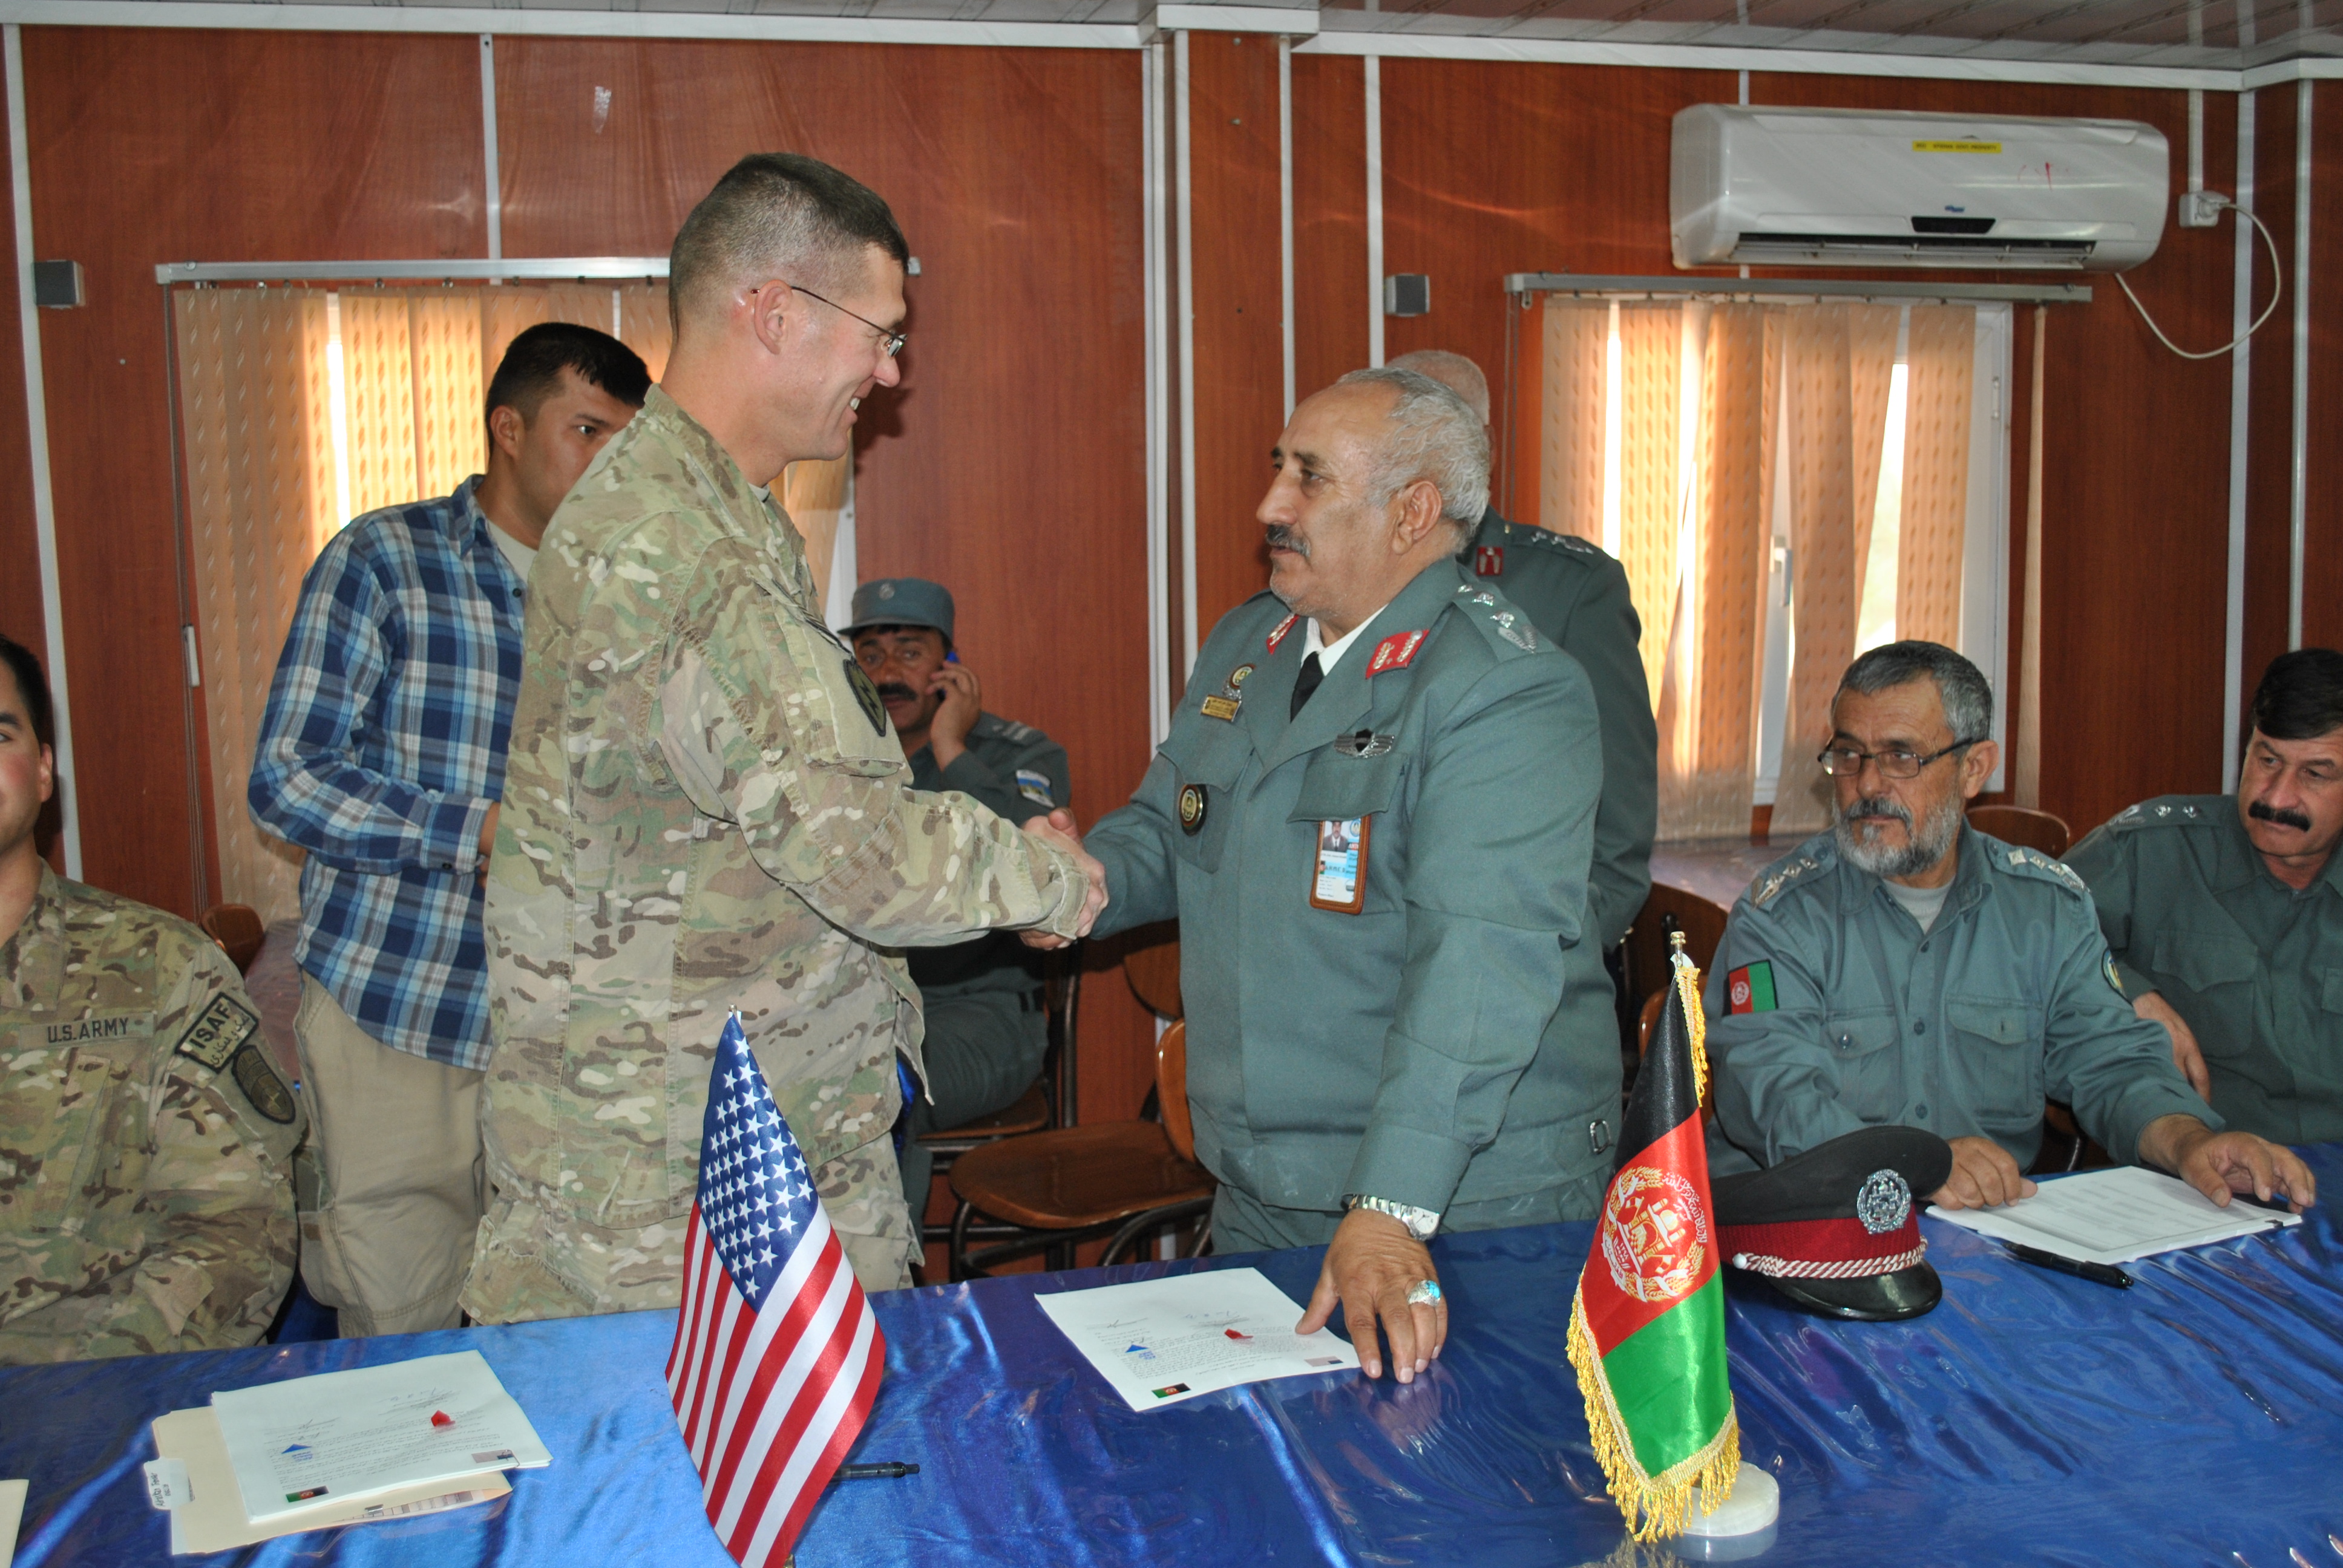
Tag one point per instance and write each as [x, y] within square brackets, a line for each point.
[2097, 1274]
[890, 1471]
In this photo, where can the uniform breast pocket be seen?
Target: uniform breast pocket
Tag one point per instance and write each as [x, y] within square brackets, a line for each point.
[58, 1100]
[2215, 971]
[1353, 868]
[1996, 1059]
[1205, 772]
[1870, 1071]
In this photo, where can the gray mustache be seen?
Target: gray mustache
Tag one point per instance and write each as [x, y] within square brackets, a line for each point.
[1879, 806]
[1280, 538]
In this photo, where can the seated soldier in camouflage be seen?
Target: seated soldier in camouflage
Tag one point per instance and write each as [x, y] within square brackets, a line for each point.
[985, 1030]
[1904, 970]
[145, 1140]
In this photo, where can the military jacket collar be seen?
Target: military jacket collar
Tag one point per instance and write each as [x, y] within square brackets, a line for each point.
[31, 961]
[732, 501]
[1346, 695]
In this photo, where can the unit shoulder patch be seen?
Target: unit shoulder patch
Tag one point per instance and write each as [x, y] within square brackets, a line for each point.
[257, 1077]
[1781, 876]
[1034, 785]
[223, 1026]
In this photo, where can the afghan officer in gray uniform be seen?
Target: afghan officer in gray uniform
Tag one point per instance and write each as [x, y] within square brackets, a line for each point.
[1904, 969]
[987, 1032]
[1373, 817]
[1576, 594]
[2225, 912]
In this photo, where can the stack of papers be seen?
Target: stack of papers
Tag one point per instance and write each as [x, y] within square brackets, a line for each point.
[1160, 1341]
[2116, 1216]
[342, 1448]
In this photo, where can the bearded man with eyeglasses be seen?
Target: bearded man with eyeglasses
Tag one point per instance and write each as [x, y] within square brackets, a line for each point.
[1904, 969]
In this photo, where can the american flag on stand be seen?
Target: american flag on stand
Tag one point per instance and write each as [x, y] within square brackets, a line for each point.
[776, 1355]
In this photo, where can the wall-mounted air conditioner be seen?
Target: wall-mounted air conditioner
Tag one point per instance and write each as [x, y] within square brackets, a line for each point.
[1841, 187]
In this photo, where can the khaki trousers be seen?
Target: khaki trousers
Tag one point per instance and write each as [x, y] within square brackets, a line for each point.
[393, 1187]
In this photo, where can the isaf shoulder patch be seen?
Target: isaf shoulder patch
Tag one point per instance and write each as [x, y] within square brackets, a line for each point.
[223, 1026]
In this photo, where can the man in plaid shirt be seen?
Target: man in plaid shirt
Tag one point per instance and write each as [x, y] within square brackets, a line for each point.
[383, 755]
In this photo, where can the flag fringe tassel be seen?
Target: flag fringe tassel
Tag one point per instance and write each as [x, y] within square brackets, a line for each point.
[1654, 1505]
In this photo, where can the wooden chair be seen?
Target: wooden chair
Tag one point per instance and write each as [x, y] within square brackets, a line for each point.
[238, 930]
[1154, 976]
[2026, 829]
[1055, 1190]
[1048, 1102]
[1670, 908]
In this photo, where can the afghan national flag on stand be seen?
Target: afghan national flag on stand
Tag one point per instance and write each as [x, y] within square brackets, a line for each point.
[1647, 1325]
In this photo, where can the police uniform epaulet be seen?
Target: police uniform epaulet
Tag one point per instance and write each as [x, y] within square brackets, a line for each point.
[1781, 875]
[2167, 811]
[1501, 621]
[991, 726]
[2036, 862]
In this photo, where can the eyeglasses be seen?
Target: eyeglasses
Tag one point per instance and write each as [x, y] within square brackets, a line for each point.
[1847, 762]
[890, 343]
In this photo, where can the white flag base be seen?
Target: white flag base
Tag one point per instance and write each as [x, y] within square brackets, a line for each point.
[1742, 1526]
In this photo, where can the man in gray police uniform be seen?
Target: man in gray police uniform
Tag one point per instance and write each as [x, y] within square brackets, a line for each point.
[2225, 912]
[1576, 596]
[1904, 969]
[1373, 817]
[986, 1030]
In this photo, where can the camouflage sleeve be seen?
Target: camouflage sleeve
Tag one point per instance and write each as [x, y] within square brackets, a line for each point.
[199, 1253]
[768, 724]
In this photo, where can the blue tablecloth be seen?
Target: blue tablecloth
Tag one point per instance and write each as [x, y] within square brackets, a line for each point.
[2194, 1419]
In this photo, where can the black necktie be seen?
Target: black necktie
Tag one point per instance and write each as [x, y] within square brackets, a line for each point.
[1304, 685]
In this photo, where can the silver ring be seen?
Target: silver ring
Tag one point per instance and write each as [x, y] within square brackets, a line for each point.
[1425, 1294]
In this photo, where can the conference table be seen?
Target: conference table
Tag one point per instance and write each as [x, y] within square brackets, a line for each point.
[2194, 1419]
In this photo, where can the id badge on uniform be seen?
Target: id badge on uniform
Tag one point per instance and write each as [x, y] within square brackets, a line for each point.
[1338, 876]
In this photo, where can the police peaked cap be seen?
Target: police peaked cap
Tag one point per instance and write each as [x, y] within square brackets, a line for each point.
[903, 601]
[1837, 1229]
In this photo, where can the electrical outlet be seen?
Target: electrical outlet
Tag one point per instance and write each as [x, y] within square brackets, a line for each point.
[2201, 209]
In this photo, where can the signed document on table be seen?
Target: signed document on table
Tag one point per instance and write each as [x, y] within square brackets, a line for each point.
[1158, 1342]
[347, 1435]
[2116, 1216]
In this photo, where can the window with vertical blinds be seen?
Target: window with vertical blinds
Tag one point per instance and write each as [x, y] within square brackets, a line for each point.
[301, 408]
[1786, 484]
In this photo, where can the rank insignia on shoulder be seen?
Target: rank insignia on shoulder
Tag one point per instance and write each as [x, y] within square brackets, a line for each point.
[1034, 785]
[1363, 743]
[1394, 653]
[1283, 628]
[1489, 561]
[1192, 808]
[223, 1026]
[1750, 988]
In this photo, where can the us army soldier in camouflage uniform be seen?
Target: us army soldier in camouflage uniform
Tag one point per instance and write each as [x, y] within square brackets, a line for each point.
[145, 1140]
[705, 807]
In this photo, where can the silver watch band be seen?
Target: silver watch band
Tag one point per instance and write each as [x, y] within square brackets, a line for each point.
[1421, 1223]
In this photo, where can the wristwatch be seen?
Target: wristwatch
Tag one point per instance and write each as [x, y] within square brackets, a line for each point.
[1421, 1223]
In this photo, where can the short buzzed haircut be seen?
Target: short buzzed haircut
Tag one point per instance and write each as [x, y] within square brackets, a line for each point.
[776, 214]
[1433, 436]
[1961, 686]
[1454, 371]
[2301, 695]
[530, 371]
[32, 686]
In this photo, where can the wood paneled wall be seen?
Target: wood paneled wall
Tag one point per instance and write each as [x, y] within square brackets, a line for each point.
[1012, 464]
